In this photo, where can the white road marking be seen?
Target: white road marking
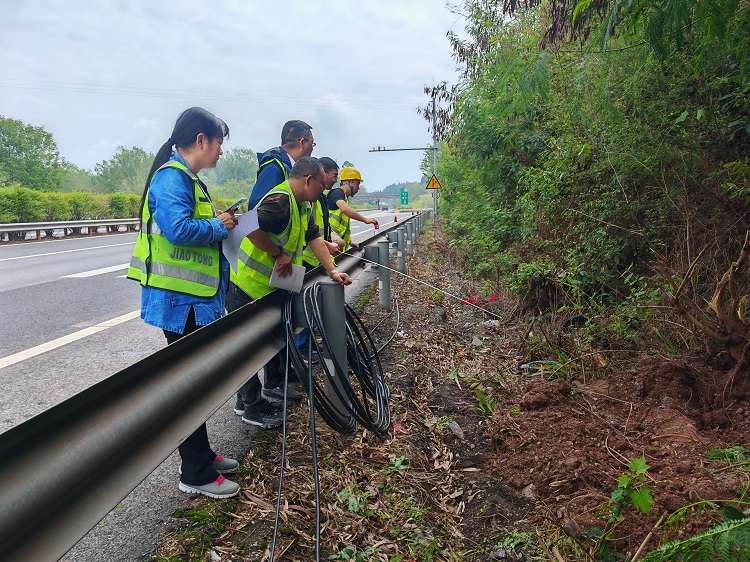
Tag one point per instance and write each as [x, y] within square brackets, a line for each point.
[68, 251]
[65, 340]
[96, 271]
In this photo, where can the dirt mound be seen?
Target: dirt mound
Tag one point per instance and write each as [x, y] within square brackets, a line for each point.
[573, 441]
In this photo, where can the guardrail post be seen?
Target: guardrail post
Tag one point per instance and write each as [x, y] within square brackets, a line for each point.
[401, 253]
[409, 238]
[372, 254]
[393, 239]
[384, 274]
[334, 324]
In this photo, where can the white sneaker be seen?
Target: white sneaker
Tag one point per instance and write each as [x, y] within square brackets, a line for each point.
[219, 488]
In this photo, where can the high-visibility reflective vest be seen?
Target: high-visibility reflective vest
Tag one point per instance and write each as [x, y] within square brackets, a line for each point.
[340, 223]
[252, 273]
[156, 262]
[307, 255]
[279, 163]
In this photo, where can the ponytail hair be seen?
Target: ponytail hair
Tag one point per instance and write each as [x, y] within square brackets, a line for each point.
[188, 126]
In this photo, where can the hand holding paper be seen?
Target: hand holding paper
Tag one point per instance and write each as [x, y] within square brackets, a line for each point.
[246, 223]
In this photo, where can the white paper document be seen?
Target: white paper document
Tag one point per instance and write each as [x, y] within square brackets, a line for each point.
[292, 282]
[246, 223]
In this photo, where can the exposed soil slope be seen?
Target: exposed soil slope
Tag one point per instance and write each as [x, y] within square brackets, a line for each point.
[485, 459]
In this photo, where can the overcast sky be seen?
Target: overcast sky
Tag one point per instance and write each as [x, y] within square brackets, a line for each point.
[98, 74]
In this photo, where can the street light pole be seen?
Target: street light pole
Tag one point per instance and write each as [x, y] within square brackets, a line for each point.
[434, 156]
[434, 149]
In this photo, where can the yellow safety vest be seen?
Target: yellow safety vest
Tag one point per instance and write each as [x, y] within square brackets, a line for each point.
[156, 262]
[340, 223]
[253, 270]
[307, 255]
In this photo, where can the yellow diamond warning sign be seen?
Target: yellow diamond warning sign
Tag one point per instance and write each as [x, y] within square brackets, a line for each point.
[434, 183]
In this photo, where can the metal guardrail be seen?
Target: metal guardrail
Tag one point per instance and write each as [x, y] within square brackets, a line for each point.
[87, 223]
[56, 225]
[38, 227]
[64, 469]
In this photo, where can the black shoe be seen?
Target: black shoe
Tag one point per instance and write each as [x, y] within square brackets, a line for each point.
[315, 359]
[278, 394]
[239, 407]
[263, 416]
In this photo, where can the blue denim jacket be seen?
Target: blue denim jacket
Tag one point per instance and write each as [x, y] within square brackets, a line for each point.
[171, 199]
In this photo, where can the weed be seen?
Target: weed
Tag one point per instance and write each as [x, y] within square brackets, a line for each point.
[738, 458]
[519, 544]
[631, 488]
[397, 465]
[443, 423]
[437, 295]
[453, 373]
[729, 540]
[515, 411]
[350, 553]
[486, 402]
[364, 298]
[205, 523]
[356, 501]
[736, 453]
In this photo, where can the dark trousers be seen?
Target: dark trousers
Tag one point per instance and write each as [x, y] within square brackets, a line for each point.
[195, 451]
[273, 372]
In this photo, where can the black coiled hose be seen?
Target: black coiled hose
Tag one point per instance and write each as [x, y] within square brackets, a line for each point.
[361, 388]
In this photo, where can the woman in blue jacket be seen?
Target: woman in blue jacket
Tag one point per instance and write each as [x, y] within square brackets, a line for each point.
[179, 262]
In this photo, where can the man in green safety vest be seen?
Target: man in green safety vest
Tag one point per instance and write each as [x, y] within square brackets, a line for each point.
[340, 211]
[320, 208]
[286, 227]
[275, 164]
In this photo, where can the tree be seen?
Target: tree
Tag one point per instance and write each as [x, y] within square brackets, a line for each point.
[125, 172]
[238, 164]
[75, 178]
[28, 156]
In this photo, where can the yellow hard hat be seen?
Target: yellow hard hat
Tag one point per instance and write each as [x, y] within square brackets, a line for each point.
[348, 173]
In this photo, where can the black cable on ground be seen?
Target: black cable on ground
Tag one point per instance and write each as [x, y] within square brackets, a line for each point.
[363, 392]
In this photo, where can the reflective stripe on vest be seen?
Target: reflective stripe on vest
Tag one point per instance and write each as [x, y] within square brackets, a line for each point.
[340, 223]
[254, 267]
[281, 165]
[307, 255]
[156, 262]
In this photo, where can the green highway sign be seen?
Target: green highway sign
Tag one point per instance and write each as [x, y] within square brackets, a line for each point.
[404, 196]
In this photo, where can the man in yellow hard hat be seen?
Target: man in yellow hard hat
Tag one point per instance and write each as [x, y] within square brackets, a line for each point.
[338, 203]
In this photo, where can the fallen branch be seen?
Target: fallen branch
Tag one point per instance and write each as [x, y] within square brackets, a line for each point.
[648, 537]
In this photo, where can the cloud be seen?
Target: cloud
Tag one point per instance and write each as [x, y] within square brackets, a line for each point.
[98, 74]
